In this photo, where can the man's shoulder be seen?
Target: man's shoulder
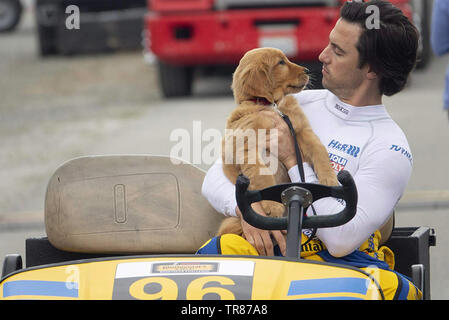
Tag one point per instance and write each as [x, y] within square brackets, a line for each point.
[312, 95]
[388, 130]
[390, 139]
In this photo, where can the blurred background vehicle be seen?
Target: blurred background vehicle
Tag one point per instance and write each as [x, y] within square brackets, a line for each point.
[10, 14]
[204, 36]
[105, 25]
[192, 38]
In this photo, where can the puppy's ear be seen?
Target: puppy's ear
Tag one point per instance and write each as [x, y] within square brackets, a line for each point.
[253, 80]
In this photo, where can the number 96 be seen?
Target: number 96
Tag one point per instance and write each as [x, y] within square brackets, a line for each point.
[169, 289]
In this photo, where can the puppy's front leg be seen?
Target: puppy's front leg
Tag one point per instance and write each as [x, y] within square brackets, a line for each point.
[312, 150]
[316, 154]
[261, 181]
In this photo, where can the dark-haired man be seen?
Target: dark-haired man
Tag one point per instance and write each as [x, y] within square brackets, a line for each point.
[360, 65]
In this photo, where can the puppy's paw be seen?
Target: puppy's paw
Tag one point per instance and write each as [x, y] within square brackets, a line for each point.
[230, 225]
[273, 209]
[330, 180]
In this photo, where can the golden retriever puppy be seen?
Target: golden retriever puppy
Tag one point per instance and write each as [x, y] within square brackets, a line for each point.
[262, 81]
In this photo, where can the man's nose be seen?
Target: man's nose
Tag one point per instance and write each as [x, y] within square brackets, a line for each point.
[323, 55]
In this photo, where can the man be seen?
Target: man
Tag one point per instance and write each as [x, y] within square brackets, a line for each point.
[360, 65]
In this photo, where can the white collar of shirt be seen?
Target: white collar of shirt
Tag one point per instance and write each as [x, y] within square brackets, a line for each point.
[350, 113]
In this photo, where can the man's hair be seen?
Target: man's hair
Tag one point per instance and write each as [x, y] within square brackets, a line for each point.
[390, 47]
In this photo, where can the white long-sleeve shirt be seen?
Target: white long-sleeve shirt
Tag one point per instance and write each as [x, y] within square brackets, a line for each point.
[362, 140]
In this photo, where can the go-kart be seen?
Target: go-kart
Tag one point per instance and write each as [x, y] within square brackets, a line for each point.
[128, 227]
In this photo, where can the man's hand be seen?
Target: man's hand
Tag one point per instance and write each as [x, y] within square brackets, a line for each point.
[286, 144]
[260, 239]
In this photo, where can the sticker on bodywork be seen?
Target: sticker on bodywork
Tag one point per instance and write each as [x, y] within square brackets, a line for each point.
[184, 280]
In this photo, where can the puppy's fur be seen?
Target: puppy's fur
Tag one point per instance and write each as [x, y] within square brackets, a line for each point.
[265, 74]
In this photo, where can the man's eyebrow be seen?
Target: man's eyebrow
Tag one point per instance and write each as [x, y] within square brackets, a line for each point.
[333, 44]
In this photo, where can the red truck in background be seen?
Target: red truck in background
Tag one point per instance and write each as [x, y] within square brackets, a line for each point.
[187, 35]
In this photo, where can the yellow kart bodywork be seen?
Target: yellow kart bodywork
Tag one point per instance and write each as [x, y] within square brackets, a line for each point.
[190, 278]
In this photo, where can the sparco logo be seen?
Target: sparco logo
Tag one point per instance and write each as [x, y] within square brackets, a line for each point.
[341, 109]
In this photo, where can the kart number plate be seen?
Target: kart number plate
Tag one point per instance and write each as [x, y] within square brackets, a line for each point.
[184, 280]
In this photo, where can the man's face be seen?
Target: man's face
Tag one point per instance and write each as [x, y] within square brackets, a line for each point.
[341, 72]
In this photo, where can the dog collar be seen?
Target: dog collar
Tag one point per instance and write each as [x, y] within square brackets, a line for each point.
[265, 102]
[262, 101]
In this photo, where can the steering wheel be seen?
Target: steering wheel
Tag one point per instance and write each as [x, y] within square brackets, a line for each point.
[297, 197]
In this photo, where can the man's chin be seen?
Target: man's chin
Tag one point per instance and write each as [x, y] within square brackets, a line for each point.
[327, 86]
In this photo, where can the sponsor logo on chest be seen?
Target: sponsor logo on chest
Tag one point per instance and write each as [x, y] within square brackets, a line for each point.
[348, 149]
[338, 163]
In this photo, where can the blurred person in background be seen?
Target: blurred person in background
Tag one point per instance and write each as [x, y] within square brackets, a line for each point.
[440, 40]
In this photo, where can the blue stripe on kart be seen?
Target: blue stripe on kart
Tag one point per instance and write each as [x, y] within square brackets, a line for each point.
[332, 298]
[40, 288]
[310, 286]
[404, 288]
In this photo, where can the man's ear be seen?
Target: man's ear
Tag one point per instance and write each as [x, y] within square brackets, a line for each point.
[371, 74]
[254, 80]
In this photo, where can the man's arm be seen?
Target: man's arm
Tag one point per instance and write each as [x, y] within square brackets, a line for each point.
[220, 193]
[381, 180]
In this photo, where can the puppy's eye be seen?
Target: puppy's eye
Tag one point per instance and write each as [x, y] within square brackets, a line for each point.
[282, 62]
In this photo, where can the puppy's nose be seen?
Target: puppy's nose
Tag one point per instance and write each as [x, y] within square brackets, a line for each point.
[307, 71]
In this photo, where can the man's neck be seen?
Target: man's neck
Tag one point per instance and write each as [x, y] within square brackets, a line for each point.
[360, 101]
[360, 97]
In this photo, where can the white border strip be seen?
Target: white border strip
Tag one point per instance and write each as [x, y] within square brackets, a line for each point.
[144, 268]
